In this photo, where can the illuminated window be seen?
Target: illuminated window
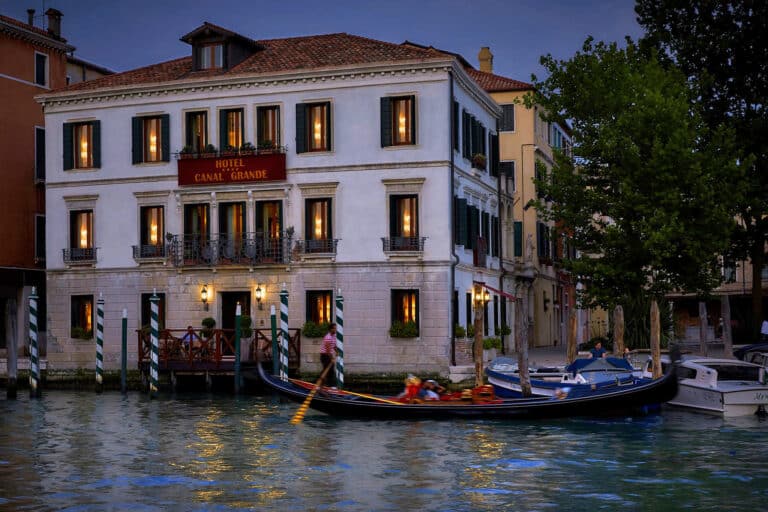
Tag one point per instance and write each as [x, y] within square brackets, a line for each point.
[81, 229]
[405, 306]
[313, 127]
[197, 131]
[152, 231]
[268, 218]
[318, 229]
[82, 316]
[151, 139]
[398, 121]
[152, 148]
[211, 56]
[320, 306]
[232, 126]
[404, 222]
[83, 145]
[268, 126]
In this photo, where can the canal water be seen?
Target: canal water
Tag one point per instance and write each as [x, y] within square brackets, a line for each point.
[80, 451]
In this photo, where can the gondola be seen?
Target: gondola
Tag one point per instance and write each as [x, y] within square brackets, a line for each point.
[481, 404]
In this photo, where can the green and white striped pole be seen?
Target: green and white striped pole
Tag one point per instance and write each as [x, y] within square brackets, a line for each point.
[100, 344]
[275, 346]
[155, 360]
[124, 354]
[284, 333]
[339, 340]
[34, 368]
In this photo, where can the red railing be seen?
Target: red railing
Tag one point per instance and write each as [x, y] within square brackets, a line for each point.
[197, 348]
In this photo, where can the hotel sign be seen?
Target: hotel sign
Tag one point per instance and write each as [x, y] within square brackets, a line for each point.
[232, 169]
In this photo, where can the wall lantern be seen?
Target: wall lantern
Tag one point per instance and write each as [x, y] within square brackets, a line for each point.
[204, 297]
[481, 297]
[259, 296]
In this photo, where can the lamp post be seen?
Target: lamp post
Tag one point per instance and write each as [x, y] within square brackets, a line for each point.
[480, 296]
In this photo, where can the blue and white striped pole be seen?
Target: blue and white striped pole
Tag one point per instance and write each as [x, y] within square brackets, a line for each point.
[34, 368]
[100, 344]
[339, 340]
[154, 364]
[284, 333]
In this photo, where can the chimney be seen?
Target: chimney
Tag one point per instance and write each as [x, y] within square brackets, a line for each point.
[486, 59]
[31, 17]
[54, 22]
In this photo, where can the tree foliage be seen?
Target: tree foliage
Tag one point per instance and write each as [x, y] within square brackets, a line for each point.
[721, 47]
[647, 195]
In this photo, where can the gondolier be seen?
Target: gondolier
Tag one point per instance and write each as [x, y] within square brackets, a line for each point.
[328, 353]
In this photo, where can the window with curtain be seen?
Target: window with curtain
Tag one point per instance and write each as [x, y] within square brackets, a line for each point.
[318, 127]
[81, 229]
[83, 145]
[268, 219]
[318, 223]
[82, 316]
[405, 306]
[197, 130]
[231, 228]
[320, 306]
[211, 56]
[404, 222]
[268, 126]
[152, 140]
[152, 231]
[232, 128]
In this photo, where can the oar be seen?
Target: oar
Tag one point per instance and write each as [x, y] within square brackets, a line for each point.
[303, 408]
[370, 397]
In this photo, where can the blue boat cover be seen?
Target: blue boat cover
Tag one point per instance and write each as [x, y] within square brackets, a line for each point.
[596, 364]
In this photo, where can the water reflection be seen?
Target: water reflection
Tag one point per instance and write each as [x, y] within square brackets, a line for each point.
[208, 452]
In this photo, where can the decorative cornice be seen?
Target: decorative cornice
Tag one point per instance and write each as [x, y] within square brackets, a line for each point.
[246, 81]
[35, 38]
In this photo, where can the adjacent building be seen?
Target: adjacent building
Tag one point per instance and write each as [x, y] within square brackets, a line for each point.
[318, 165]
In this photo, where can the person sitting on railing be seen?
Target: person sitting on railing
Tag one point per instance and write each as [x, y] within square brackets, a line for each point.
[187, 339]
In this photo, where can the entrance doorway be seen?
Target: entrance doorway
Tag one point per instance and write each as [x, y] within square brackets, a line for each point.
[229, 302]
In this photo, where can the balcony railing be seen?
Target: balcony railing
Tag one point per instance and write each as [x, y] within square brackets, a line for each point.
[224, 153]
[78, 255]
[239, 249]
[404, 244]
[149, 251]
[319, 246]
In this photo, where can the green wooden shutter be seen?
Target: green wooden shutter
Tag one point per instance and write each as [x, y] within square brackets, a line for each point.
[455, 125]
[40, 154]
[280, 216]
[461, 217]
[137, 132]
[465, 134]
[386, 122]
[165, 137]
[328, 126]
[308, 219]
[494, 150]
[68, 136]
[330, 216]
[486, 226]
[518, 235]
[472, 229]
[394, 228]
[96, 143]
[223, 129]
[414, 126]
[301, 128]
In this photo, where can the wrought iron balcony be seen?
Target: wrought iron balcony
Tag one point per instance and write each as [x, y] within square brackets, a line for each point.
[149, 251]
[319, 246]
[404, 244]
[238, 249]
[80, 256]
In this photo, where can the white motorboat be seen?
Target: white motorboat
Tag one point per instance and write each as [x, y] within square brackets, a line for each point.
[727, 387]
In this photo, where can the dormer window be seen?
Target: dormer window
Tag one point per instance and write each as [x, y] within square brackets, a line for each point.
[211, 56]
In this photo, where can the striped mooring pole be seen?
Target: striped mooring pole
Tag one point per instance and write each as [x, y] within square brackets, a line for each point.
[155, 360]
[100, 344]
[275, 346]
[339, 340]
[34, 363]
[284, 333]
[124, 354]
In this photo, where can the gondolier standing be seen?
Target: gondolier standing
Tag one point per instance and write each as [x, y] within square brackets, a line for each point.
[328, 353]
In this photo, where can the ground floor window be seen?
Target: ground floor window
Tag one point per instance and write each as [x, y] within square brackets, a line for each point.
[82, 316]
[405, 307]
[320, 306]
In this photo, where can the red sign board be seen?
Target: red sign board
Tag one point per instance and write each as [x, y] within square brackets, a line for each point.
[232, 169]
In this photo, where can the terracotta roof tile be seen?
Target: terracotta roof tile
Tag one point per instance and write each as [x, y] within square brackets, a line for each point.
[295, 53]
[497, 83]
[36, 30]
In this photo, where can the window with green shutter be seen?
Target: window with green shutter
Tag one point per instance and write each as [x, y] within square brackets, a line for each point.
[82, 145]
[398, 121]
[460, 221]
[455, 125]
[518, 238]
[313, 127]
[150, 139]
[231, 129]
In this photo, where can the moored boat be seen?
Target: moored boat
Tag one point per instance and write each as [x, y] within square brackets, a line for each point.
[582, 377]
[726, 387]
[481, 403]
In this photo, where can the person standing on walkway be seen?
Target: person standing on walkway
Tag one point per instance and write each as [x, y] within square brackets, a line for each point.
[764, 330]
[328, 354]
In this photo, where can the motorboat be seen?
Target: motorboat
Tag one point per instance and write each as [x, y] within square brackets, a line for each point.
[582, 377]
[727, 387]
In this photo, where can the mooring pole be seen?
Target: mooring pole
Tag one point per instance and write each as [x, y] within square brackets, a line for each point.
[237, 348]
[275, 347]
[124, 355]
[339, 340]
[12, 347]
[34, 368]
[284, 333]
[154, 365]
[100, 344]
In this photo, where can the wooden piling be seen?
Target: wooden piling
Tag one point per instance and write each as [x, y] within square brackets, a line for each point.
[11, 348]
[571, 353]
[703, 328]
[618, 331]
[725, 314]
[655, 340]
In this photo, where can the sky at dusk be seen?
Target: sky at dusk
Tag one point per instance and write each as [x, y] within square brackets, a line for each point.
[127, 34]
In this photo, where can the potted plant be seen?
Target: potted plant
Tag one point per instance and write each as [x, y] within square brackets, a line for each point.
[208, 324]
[478, 161]
[490, 346]
[247, 149]
[186, 152]
[229, 150]
[266, 147]
[209, 151]
[312, 329]
[245, 326]
[504, 330]
[459, 331]
[403, 329]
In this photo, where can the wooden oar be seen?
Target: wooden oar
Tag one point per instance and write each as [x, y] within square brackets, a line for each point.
[345, 392]
[304, 406]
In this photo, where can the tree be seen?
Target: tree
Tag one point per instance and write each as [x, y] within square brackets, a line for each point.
[647, 195]
[721, 47]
